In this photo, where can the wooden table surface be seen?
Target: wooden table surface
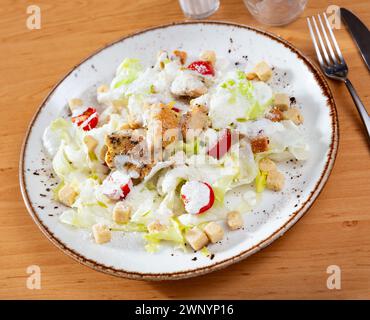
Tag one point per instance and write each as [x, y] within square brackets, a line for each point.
[336, 230]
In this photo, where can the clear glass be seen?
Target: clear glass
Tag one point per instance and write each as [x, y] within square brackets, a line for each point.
[199, 9]
[275, 12]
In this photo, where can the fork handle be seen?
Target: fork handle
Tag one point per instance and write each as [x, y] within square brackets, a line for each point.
[360, 107]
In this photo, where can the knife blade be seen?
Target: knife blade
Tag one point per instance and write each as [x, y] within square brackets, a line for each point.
[359, 33]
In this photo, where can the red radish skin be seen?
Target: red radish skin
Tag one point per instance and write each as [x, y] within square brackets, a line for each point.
[222, 145]
[80, 119]
[118, 192]
[211, 199]
[126, 189]
[210, 202]
[205, 68]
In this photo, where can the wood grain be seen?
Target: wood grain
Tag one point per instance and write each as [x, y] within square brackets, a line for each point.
[334, 231]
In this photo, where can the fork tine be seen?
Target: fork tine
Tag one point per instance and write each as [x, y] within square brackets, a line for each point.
[323, 48]
[333, 39]
[327, 40]
[318, 53]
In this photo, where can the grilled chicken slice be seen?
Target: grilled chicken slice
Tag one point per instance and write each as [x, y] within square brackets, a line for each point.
[194, 121]
[188, 84]
[163, 124]
[128, 149]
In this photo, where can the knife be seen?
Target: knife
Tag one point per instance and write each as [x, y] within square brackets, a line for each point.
[359, 33]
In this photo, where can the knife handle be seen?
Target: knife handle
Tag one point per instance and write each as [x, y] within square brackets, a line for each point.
[360, 107]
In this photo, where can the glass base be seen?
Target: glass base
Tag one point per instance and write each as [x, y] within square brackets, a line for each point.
[275, 12]
[202, 15]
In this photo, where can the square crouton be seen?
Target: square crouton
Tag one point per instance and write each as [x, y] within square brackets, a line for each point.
[181, 54]
[156, 226]
[259, 144]
[90, 142]
[267, 165]
[214, 231]
[67, 195]
[121, 213]
[103, 88]
[263, 71]
[275, 180]
[251, 76]
[234, 220]
[196, 238]
[209, 56]
[74, 104]
[275, 115]
[293, 114]
[101, 233]
[281, 101]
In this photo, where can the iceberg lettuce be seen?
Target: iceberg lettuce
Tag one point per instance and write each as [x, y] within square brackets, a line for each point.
[172, 233]
[243, 99]
[127, 72]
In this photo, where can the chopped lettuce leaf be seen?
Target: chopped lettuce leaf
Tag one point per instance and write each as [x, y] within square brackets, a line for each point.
[127, 72]
[221, 186]
[173, 233]
[261, 181]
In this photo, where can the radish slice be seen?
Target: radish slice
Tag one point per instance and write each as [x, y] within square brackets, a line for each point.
[117, 185]
[222, 145]
[197, 196]
[205, 68]
[87, 120]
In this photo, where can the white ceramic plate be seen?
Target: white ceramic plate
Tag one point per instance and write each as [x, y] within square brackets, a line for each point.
[125, 255]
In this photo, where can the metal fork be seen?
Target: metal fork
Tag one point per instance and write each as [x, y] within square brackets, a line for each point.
[334, 65]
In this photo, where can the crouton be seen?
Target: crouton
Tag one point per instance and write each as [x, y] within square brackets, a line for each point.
[121, 213]
[267, 165]
[67, 195]
[234, 220]
[194, 121]
[101, 233]
[214, 231]
[281, 101]
[293, 114]
[209, 56]
[275, 115]
[263, 71]
[259, 144]
[156, 226]
[196, 238]
[103, 88]
[275, 180]
[182, 55]
[74, 104]
[251, 76]
[91, 143]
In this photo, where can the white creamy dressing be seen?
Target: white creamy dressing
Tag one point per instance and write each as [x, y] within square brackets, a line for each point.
[187, 81]
[197, 196]
[112, 184]
[162, 84]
